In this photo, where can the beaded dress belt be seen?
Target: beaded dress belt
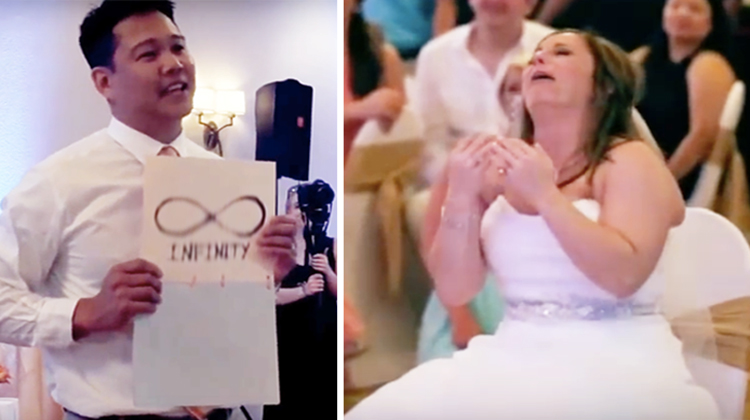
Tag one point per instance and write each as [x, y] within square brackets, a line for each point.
[577, 309]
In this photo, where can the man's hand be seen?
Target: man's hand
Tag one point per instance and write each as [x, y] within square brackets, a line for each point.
[276, 245]
[129, 289]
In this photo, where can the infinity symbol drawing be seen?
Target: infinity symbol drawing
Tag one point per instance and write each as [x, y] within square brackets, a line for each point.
[210, 217]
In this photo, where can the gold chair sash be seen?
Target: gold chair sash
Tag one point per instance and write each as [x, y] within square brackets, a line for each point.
[732, 200]
[731, 326]
[386, 169]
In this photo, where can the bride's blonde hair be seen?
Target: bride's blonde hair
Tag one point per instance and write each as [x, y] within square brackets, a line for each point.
[617, 88]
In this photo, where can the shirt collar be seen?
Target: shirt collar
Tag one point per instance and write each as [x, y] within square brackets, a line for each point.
[464, 31]
[526, 44]
[140, 145]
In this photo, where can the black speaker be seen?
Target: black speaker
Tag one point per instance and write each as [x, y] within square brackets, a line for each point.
[283, 112]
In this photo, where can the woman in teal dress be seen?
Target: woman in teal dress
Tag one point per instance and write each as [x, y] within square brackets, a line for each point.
[442, 332]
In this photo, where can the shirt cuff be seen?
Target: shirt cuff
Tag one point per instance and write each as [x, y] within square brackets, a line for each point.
[55, 324]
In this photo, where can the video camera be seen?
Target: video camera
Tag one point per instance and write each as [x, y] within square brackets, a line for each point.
[315, 202]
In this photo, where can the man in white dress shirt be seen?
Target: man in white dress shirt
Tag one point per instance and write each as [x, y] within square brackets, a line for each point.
[70, 279]
[459, 74]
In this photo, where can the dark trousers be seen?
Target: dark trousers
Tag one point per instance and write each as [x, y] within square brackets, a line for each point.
[219, 414]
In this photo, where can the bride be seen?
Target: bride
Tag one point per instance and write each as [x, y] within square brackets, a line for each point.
[573, 223]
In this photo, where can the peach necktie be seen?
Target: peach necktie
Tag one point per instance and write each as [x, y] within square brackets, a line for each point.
[199, 413]
[168, 151]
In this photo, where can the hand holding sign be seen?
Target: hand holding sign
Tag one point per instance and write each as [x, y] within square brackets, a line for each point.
[129, 289]
[276, 245]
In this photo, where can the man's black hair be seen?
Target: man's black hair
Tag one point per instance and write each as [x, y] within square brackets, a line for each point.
[97, 41]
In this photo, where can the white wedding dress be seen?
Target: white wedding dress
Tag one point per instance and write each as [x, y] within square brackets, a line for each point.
[566, 349]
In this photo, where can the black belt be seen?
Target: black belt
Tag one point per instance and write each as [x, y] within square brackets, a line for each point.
[218, 414]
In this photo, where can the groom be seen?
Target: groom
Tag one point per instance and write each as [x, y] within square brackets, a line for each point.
[70, 279]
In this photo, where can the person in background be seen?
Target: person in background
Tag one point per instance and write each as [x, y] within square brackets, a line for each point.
[733, 9]
[406, 25]
[315, 283]
[306, 312]
[688, 77]
[627, 23]
[739, 16]
[373, 76]
[409, 25]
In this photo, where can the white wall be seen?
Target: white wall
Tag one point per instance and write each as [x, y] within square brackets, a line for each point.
[47, 100]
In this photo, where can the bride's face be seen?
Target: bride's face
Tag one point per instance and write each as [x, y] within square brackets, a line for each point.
[560, 73]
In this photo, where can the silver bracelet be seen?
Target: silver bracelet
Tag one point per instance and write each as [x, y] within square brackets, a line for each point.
[459, 222]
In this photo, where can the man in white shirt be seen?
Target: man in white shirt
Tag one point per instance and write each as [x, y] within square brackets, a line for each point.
[459, 74]
[70, 279]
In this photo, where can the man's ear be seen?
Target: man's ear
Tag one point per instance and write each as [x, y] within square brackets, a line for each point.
[102, 78]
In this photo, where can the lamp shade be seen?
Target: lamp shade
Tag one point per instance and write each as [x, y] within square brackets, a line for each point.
[204, 101]
[230, 101]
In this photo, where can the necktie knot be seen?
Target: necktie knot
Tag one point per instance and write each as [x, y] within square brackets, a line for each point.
[169, 151]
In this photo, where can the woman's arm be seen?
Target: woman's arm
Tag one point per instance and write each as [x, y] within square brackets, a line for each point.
[451, 241]
[444, 17]
[333, 284]
[287, 295]
[332, 278]
[709, 78]
[385, 101]
[640, 202]
[393, 69]
[462, 320]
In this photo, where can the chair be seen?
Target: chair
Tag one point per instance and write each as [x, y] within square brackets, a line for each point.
[707, 186]
[708, 251]
[643, 131]
[380, 169]
[407, 127]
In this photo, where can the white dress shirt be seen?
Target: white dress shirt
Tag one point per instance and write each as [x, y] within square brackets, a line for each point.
[455, 96]
[71, 218]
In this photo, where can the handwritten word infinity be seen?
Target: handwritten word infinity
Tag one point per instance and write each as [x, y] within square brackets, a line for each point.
[210, 251]
[210, 217]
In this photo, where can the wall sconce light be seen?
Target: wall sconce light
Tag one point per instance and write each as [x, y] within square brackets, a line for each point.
[208, 103]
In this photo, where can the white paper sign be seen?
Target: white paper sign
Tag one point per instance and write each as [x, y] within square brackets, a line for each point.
[201, 217]
[212, 340]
